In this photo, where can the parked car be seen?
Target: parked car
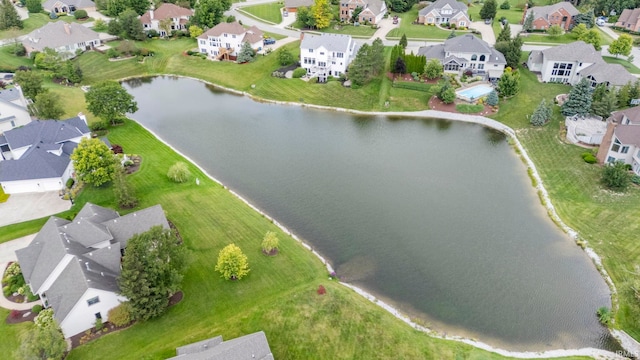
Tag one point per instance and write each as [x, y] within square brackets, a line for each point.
[395, 19]
[487, 21]
[269, 41]
[285, 13]
[601, 21]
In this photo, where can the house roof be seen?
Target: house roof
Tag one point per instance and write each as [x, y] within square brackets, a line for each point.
[297, 3]
[467, 43]
[331, 42]
[632, 113]
[36, 163]
[577, 51]
[79, 4]
[87, 249]
[11, 94]
[456, 6]
[57, 34]
[614, 74]
[375, 6]
[544, 11]
[164, 11]
[249, 347]
[628, 134]
[432, 51]
[253, 35]
[536, 56]
[47, 132]
[224, 28]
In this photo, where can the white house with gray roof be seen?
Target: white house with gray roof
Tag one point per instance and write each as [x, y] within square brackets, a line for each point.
[326, 54]
[13, 109]
[621, 142]
[225, 40]
[65, 38]
[249, 347]
[570, 63]
[445, 12]
[467, 52]
[36, 156]
[74, 265]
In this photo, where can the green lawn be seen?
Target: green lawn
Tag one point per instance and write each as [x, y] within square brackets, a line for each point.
[513, 15]
[417, 31]
[622, 61]
[269, 13]
[358, 31]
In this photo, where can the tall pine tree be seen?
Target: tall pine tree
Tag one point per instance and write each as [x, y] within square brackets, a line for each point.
[505, 34]
[9, 17]
[579, 102]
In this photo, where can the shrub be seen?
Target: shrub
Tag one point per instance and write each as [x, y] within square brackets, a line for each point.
[15, 314]
[80, 14]
[270, 243]
[98, 324]
[179, 172]
[278, 74]
[635, 179]
[299, 72]
[120, 315]
[13, 270]
[70, 183]
[144, 52]
[100, 25]
[232, 263]
[604, 315]
[112, 53]
[616, 176]
[45, 318]
[6, 290]
[589, 158]
[36, 309]
[98, 126]
[152, 33]
[19, 50]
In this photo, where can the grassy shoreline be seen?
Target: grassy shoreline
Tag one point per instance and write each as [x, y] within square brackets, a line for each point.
[563, 172]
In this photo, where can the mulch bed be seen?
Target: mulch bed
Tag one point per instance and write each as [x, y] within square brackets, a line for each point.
[437, 104]
[408, 78]
[18, 316]
[137, 160]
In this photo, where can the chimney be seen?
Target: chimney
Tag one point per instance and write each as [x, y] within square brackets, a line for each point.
[67, 28]
[301, 35]
[151, 14]
[81, 116]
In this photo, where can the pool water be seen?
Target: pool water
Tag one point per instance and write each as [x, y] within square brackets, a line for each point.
[475, 92]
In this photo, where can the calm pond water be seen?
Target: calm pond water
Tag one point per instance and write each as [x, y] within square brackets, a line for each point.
[438, 218]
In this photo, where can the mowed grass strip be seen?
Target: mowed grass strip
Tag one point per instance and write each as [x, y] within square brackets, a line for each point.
[624, 62]
[270, 12]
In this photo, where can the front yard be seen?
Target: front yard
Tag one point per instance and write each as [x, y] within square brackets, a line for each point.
[269, 13]
[418, 31]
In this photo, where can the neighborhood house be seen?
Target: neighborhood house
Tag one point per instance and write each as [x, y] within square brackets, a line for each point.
[225, 40]
[372, 10]
[467, 52]
[293, 5]
[166, 18]
[68, 6]
[629, 19]
[326, 54]
[562, 14]
[13, 109]
[74, 265]
[572, 62]
[65, 38]
[35, 157]
[445, 12]
[249, 347]
[621, 142]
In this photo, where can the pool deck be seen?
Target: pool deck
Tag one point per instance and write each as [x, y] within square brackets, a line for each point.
[460, 91]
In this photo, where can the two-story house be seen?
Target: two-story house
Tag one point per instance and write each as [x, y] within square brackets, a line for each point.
[629, 19]
[13, 109]
[68, 6]
[621, 142]
[177, 16]
[562, 14]
[326, 54]
[67, 39]
[74, 265]
[225, 40]
[570, 63]
[445, 12]
[372, 10]
[467, 52]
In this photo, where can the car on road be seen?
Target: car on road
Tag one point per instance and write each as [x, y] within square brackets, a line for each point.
[395, 20]
[601, 21]
[268, 41]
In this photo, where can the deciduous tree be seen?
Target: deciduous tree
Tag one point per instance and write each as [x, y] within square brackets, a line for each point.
[270, 243]
[433, 69]
[123, 190]
[42, 343]
[179, 172]
[195, 31]
[131, 25]
[305, 18]
[34, 6]
[152, 270]
[284, 56]
[321, 12]
[509, 83]
[232, 263]
[554, 30]
[592, 37]
[579, 101]
[9, 17]
[579, 30]
[209, 13]
[109, 100]
[48, 106]
[94, 162]
[139, 6]
[621, 46]
[30, 82]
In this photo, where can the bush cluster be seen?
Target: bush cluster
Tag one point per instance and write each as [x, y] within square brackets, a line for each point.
[299, 72]
[589, 158]
[120, 315]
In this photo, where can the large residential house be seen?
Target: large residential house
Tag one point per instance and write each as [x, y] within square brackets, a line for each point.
[177, 16]
[326, 54]
[621, 142]
[249, 347]
[293, 5]
[372, 10]
[67, 39]
[445, 12]
[35, 157]
[13, 109]
[467, 52]
[562, 14]
[629, 19]
[572, 62]
[74, 265]
[68, 6]
[225, 40]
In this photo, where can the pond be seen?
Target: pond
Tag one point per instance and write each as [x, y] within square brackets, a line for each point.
[438, 218]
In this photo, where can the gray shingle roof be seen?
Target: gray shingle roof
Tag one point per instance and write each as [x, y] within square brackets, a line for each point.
[89, 267]
[10, 94]
[249, 347]
[457, 6]
[633, 114]
[544, 11]
[375, 6]
[577, 51]
[628, 134]
[614, 74]
[331, 42]
[467, 43]
[57, 34]
[79, 4]
[432, 51]
[46, 131]
[36, 163]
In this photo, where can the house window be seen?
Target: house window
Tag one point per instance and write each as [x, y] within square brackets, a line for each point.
[611, 159]
[98, 316]
[340, 55]
[625, 149]
[226, 35]
[13, 123]
[233, 36]
[310, 50]
[616, 146]
[322, 64]
[562, 69]
[480, 66]
[462, 23]
[93, 300]
[482, 58]
[474, 57]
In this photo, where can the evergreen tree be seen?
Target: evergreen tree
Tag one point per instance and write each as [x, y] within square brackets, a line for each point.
[403, 41]
[451, 35]
[305, 18]
[505, 5]
[355, 16]
[123, 190]
[542, 114]
[528, 22]
[30, 82]
[605, 105]
[509, 83]
[623, 95]
[400, 67]
[446, 92]
[587, 18]
[492, 98]
[34, 6]
[116, 7]
[579, 101]
[489, 9]
[9, 17]
[512, 50]
[505, 34]
[246, 53]
[140, 6]
[131, 25]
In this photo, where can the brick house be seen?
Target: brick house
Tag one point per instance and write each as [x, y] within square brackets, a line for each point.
[629, 19]
[562, 14]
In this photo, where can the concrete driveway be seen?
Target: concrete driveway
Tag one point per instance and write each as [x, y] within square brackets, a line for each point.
[23, 207]
[486, 31]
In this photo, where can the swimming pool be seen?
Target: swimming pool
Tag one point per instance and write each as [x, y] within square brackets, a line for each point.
[475, 92]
